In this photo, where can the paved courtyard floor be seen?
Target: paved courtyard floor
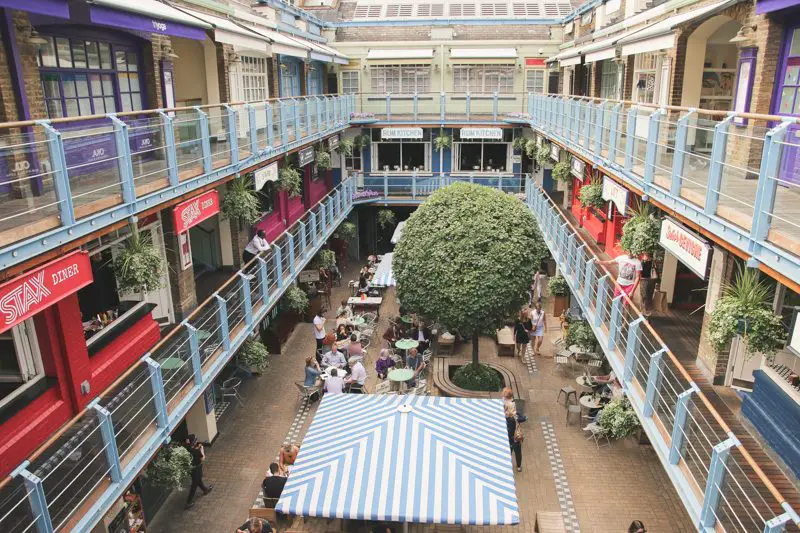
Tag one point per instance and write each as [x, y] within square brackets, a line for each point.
[596, 490]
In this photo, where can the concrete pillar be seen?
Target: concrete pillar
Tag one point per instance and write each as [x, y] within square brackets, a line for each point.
[202, 424]
[239, 237]
[712, 363]
[669, 271]
[184, 296]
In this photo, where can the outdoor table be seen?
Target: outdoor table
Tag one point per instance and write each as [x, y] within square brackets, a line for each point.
[357, 321]
[399, 375]
[202, 335]
[327, 373]
[590, 402]
[406, 344]
[586, 381]
[407, 319]
[171, 363]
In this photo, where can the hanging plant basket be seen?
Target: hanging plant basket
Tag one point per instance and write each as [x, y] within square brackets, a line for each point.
[592, 195]
[361, 141]
[640, 234]
[530, 148]
[347, 231]
[543, 155]
[345, 147]
[171, 468]
[442, 141]
[322, 159]
[561, 172]
[519, 143]
[241, 201]
[138, 265]
[289, 180]
[325, 259]
[294, 299]
[386, 218]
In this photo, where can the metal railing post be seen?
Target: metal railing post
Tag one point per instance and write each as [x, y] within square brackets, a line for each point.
[194, 346]
[124, 159]
[715, 168]
[388, 106]
[282, 105]
[585, 112]
[630, 140]
[613, 326]
[323, 217]
[292, 258]
[278, 266]
[652, 147]
[233, 137]
[654, 374]
[495, 102]
[247, 302]
[631, 344]
[109, 441]
[679, 154]
[157, 388]
[415, 104]
[613, 136]
[767, 183]
[678, 425]
[314, 231]
[224, 328]
[298, 129]
[303, 237]
[36, 498]
[468, 104]
[270, 126]
[263, 274]
[205, 138]
[600, 119]
[716, 472]
[598, 309]
[55, 148]
[252, 131]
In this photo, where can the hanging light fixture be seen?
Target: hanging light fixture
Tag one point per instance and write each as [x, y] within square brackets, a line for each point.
[36, 39]
[168, 52]
[742, 35]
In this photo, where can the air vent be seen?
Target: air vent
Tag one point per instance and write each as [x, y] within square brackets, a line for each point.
[551, 10]
[526, 10]
[462, 10]
[494, 10]
[375, 11]
[564, 9]
[430, 10]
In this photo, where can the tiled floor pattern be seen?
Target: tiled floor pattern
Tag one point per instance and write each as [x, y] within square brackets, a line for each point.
[530, 361]
[560, 477]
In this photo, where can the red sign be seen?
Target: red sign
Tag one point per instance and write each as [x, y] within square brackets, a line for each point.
[534, 62]
[192, 212]
[23, 297]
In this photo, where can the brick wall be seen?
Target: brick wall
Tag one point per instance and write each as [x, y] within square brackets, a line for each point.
[597, 71]
[627, 88]
[182, 288]
[30, 71]
[224, 51]
[274, 79]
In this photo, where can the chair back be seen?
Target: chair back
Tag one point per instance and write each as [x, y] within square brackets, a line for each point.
[231, 383]
[383, 387]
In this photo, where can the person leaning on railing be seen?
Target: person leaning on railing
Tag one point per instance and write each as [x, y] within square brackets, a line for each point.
[256, 245]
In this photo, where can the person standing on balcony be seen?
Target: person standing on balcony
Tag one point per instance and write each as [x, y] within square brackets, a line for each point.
[629, 273]
[198, 457]
[256, 245]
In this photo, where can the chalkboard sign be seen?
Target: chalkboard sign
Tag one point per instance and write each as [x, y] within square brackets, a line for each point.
[209, 399]
[307, 276]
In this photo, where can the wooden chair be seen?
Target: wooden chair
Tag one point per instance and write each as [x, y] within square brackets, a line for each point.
[549, 522]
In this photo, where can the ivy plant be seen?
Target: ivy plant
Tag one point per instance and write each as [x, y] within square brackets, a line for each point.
[386, 218]
[241, 201]
[294, 299]
[520, 143]
[561, 171]
[442, 141]
[618, 419]
[592, 195]
[746, 309]
[289, 180]
[543, 155]
[558, 286]
[345, 147]
[138, 265]
[361, 141]
[347, 231]
[171, 468]
[322, 160]
[530, 148]
[640, 234]
[255, 355]
[481, 247]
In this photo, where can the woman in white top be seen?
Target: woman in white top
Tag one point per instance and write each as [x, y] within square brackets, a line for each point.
[538, 322]
[257, 245]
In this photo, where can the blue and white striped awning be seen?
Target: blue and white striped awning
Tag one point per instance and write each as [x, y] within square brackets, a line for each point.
[419, 459]
[384, 275]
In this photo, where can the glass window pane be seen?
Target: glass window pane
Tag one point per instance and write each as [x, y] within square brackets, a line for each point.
[72, 107]
[136, 101]
[134, 81]
[78, 54]
[82, 84]
[54, 108]
[126, 102]
[133, 63]
[49, 53]
[68, 84]
[787, 100]
[97, 86]
[108, 85]
[105, 55]
[64, 56]
[121, 60]
[92, 54]
[794, 50]
[50, 86]
[85, 106]
[111, 105]
[123, 83]
[99, 104]
[792, 76]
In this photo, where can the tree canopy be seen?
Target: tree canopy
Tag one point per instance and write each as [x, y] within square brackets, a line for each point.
[467, 257]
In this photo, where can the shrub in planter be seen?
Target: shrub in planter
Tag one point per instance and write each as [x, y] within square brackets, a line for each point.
[171, 467]
[558, 286]
[746, 309]
[294, 299]
[530, 148]
[520, 143]
[592, 195]
[345, 147]
[322, 160]
[347, 231]
[254, 355]
[241, 201]
[543, 155]
[138, 266]
[386, 217]
[289, 180]
[561, 172]
[618, 419]
[477, 378]
[325, 259]
[640, 235]
[581, 334]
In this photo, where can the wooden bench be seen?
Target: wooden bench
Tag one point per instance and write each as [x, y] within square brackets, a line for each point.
[505, 342]
[446, 387]
[549, 522]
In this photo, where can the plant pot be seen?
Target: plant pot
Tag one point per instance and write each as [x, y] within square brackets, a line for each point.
[742, 326]
[560, 304]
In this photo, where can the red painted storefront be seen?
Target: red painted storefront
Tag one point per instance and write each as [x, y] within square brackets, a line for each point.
[603, 225]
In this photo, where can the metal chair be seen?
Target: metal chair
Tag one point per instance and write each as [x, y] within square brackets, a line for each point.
[383, 387]
[596, 433]
[574, 409]
[306, 393]
[230, 389]
[561, 363]
[567, 392]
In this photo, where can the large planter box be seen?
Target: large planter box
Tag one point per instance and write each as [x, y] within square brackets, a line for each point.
[560, 304]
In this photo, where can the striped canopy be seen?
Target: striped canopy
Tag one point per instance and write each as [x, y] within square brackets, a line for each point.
[418, 459]
[384, 275]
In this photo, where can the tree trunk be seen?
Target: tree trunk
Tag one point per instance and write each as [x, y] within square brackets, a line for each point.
[475, 349]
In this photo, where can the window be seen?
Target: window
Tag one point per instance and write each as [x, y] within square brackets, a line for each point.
[316, 72]
[350, 81]
[78, 77]
[534, 81]
[353, 162]
[20, 360]
[266, 198]
[482, 155]
[401, 155]
[644, 77]
[254, 78]
[610, 79]
[290, 79]
[400, 79]
[483, 79]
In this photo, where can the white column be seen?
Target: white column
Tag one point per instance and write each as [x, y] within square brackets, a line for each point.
[668, 274]
[202, 424]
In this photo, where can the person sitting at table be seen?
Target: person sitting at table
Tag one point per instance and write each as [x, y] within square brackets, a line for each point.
[273, 485]
[345, 310]
[341, 332]
[312, 372]
[358, 375]
[383, 364]
[414, 362]
[605, 382]
[334, 358]
[287, 457]
[392, 333]
[363, 284]
[422, 334]
[335, 383]
[354, 348]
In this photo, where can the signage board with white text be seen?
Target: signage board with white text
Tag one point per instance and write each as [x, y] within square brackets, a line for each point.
[333, 142]
[482, 133]
[690, 249]
[555, 151]
[401, 133]
[263, 175]
[616, 194]
[192, 212]
[577, 168]
[305, 156]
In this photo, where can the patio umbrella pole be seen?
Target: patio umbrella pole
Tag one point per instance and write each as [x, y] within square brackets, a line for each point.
[405, 527]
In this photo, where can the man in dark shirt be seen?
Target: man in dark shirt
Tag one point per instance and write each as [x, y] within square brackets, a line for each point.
[273, 486]
[198, 456]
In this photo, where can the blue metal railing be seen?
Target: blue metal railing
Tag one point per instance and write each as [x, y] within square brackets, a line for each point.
[414, 187]
[75, 479]
[63, 179]
[719, 483]
[733, 174]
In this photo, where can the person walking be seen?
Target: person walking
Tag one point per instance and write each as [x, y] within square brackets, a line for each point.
[521, 336]
[256, 245]
[198, 457]
[514, 434]
[539, 322]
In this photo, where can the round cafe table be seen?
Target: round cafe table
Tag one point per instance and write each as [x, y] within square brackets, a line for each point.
[399, 376]
[358, 321]
[585, 381]
[407, 319]
[171, 363]
[590, 402]
[327, 373]
[406, 344]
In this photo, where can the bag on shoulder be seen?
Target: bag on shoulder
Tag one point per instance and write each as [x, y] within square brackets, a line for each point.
[518, 435]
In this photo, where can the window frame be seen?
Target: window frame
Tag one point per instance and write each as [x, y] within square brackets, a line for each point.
[248, 90]
[376, 145]
[401, 78]
[543, 73]
[353, 74]
[477, 72]
[26, 343]
[458, 144]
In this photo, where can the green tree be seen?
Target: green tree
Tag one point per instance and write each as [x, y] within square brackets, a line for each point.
[467, 257]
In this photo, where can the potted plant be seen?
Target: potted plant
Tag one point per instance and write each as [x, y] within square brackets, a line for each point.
[254, 356]
[346, 231]
[289, 180]
[543, 155]
[171, 467]
[561, 171]
[322, 160]
[241, 201]
[581, 335]
[592, 195]
[345, 147]
[361, 141]
[640, 234]
[386, 218]
[520, 143]
[618, 419]
[294, 300]
[560, 290]
[325, 259]
[138, 265]
[746, 309]
[441, 141]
